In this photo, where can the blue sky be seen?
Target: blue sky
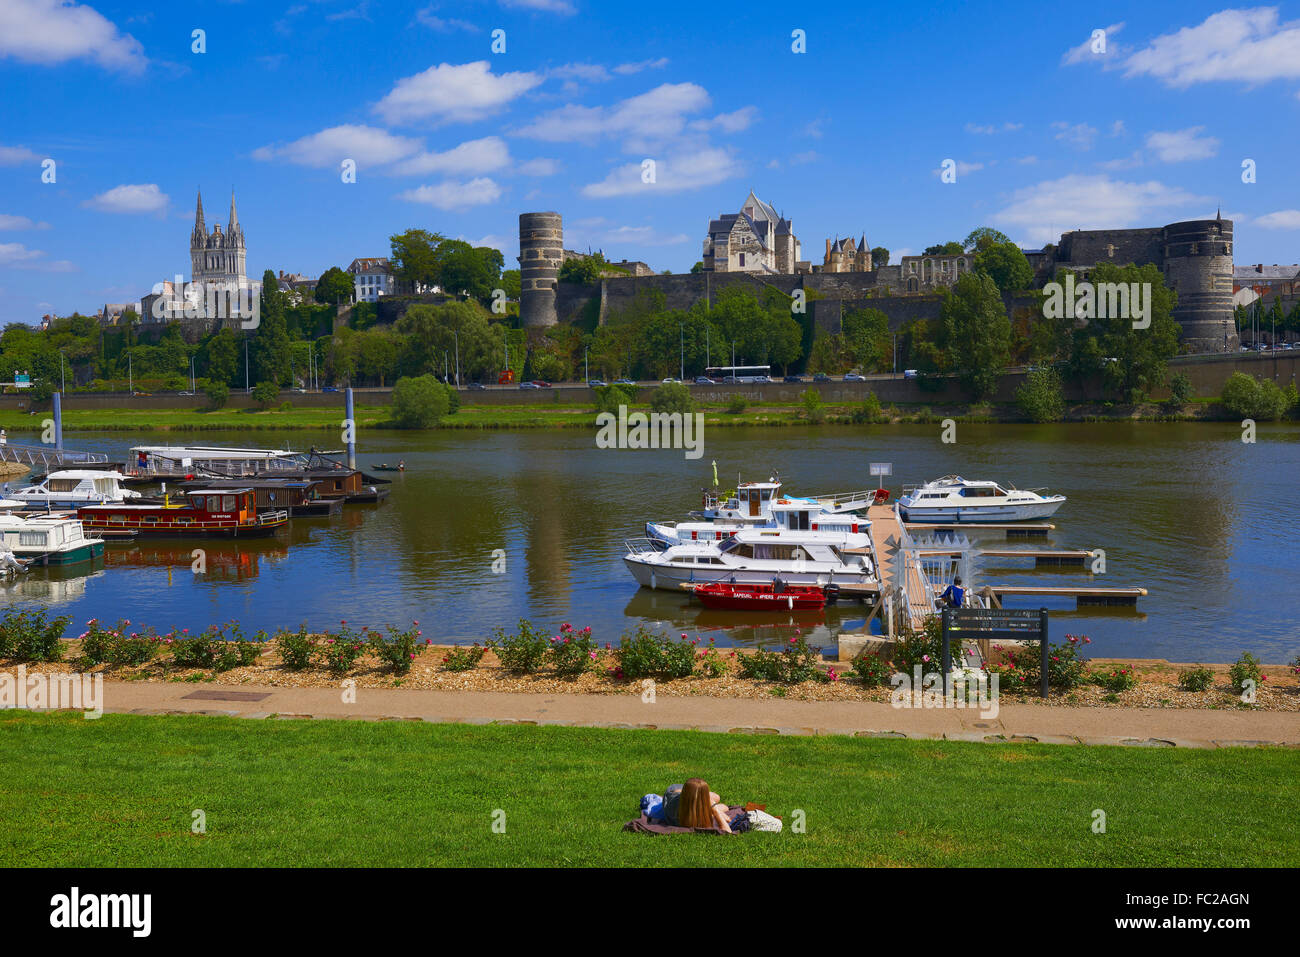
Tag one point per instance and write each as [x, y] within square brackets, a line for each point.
[845, 138]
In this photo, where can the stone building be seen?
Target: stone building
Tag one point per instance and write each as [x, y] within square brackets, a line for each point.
[372, 278]
[846, 255]
[933, 272]
[756, 240]
[1259, 281]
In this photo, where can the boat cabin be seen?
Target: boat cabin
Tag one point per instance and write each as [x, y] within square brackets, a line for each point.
[26, 535]
[269, 493]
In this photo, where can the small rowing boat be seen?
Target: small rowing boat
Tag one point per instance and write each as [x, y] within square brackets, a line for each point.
[760, 595]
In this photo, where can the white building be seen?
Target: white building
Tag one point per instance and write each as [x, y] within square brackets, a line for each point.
[372, 278]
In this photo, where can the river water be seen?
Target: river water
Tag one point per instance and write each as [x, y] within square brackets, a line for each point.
[485, 528]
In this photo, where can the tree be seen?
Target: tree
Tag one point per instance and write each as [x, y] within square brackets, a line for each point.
[698, 267]
[671, 397]
[219, 357]
[982, 237]
[977, 333]
[413, 257]
[585, 269]
[1040, 396]
[879, 256]
[510, 282]
[867, 337]
[419, 402]
[334, 286]
[429, 337]
[945, 249]
[265, 394]
[218, 394]
[1005, 264]
[1249, 398]
[464, 270]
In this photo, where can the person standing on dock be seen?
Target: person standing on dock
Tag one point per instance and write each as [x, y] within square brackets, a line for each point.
[954, 596]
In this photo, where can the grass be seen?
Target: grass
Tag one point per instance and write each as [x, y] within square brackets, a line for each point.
[193, 420]
[122, 790]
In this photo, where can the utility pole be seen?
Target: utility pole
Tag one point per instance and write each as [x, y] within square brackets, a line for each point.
[130, 375]
[586, 373]
[456, 336]
[247, 388]
[681, 332]
[63, 380]
[192, 384]
[708, 360]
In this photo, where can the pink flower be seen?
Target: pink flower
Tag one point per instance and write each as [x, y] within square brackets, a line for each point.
[416, 623]
[412, 657]
[833, 675]
[925, 658]
[591, 655]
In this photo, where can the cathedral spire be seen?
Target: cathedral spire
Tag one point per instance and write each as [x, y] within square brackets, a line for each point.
[234, 218]
[199, 225]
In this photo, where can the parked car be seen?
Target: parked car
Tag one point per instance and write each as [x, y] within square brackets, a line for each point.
[529, 385]
[821, 377]
[909, 373]
[795, 378]
[762, 378]
[541, 384]
[476, 387]
[624, 382]
[191, 393]
[329, 388]
[704, 380]
[596, 383]
[854, 377]
[671, 381]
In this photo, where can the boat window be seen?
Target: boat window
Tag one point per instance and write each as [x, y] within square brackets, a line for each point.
[228, 503]
[766, 494]
[198, 501]
[31, 538]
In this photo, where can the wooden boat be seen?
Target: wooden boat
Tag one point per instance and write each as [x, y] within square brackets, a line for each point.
[301, 497]
[385, 467]
[215, 512]
[760, 595]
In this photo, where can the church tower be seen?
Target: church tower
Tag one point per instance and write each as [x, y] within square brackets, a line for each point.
[217, 256]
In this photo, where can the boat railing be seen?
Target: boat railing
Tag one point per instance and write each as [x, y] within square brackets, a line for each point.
[861, 495]
[639, 546]
[275, 517]
[46, 456]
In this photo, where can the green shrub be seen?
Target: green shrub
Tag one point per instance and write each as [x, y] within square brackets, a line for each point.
[924, 648]
[1249, 398]
[1040, 397]
[265, 394]
[573, 652]
[737, 404]
[813, 405]
[218, 394]
[31, 635]
[1116, 679]
[340, 652]
[795, 663]
[1245, 668]
[399, 649]
[644, 654]
[711, 662]
[522, 652]
[671, 397]
[419, 402]
[1180, 390]
[1196, 679]
[869, 411]
[872, 670]
[296, 648]
[463, 657]
[610, 397]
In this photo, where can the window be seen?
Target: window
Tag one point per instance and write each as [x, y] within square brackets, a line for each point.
[198, 502]
[31, 538]
[227, 503]
[742, 259]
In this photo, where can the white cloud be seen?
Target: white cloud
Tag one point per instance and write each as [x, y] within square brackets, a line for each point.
[1124, 162]
[1117, 128]
[733, 122]
[540, 166]
[562, 7]
[428, 18]
[988, 129]
[367, 145]
[20, 222]
[130, 198]
[447, 93]
[591, 72]
[1083, 53]
[1176, 146]
[1080, 135]
[627, 69]
[486, 155]
[654, 116]
[453, 195]
[18, 256]
[1095, 201]
[1029, 160]
[17, 155]
[674, 174]
[1282, 219]
[49, 32]
[1248, 46]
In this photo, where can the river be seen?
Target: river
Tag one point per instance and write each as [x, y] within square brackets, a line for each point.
[485, 528]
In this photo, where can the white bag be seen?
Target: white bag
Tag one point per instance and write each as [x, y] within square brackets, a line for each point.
[762, 821]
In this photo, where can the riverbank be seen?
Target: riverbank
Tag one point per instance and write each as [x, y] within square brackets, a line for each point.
[583, 416]
[300, 793]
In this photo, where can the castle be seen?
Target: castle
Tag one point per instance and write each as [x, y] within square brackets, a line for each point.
[746, 248]
[219, 290]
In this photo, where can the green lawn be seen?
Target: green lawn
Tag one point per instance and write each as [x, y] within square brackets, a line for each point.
[121, 791]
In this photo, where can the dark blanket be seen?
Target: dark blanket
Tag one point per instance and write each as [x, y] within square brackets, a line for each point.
[643, 826]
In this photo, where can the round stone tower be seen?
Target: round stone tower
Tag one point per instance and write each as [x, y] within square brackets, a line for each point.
[541, 251]
[1198, 266]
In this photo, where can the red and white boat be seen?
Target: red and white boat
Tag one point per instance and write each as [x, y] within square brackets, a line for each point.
[760, 595]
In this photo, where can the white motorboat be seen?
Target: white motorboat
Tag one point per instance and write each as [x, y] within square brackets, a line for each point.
[751, 503]
[955, 499]
[48, 539]
[755, 555]
[70, 488]
[781, 512]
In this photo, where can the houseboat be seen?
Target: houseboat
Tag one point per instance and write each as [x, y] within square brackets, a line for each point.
[300, 497]
[48, 539]
[955, 499]
[785, 512]
[206, 512]
[152, 463]
[69, 488]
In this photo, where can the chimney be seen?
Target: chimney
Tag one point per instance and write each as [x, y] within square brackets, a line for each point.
[828, 248]
[1259, 267]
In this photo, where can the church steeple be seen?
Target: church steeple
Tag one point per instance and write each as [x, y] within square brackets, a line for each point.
[234, 235]
[200, 229]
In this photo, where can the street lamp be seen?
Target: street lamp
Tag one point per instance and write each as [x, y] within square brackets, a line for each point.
[456, 336]
[63, 381]
[681, 332]
[246, 386]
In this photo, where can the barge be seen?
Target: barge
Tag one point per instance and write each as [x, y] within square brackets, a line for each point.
[206, 512]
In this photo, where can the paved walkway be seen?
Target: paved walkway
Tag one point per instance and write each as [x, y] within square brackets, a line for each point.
[1054, 725]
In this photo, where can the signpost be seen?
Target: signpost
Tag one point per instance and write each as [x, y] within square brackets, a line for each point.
[1006, 624]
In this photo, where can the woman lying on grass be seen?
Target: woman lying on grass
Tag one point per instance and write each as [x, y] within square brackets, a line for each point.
[693, 805]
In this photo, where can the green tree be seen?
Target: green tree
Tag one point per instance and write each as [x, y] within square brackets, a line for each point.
[867, 336]
[982, 237]
[1006, 265]
[334, 286]
[419, 402]
[945, 249]
[585, 269]
[510, 282]
[1040, 397]
[218, 394]
[1249, 398]
[465, 270]
[977, 333]
[671, 397]
[879, 256]
[414, 257]
[265, 394]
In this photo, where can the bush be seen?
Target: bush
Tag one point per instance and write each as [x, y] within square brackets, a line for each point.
[340, 652]
[32, 635]
[869, 411]
[812, 403]
[644, 654]
[399, 649]
[296, 648]
[419, 402]
[463, 658]
[737, 405]
[795, 663]
[610, 397]
[924, 648]
[1116, 679]
[214, 649]
[573, 652]
[117, 646]
[522, 652]
[218, 394]
[1196, 679]
[1040, 396]
[265, 394]
[712, 664]
[671, 397]
[872, 670]
[1180, 391]
[1249, 398]
[453, 399]
[1245, 668]
[1066, 669]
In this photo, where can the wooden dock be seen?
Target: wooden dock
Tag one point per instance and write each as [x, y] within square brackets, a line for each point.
[1083, 595]
[1012, 530]
[894, 571]
[1042, 556]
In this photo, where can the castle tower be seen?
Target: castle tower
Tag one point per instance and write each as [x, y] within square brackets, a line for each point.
[1198, 266]
[541, 252]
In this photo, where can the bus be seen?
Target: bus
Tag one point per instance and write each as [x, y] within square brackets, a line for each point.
[739, 373]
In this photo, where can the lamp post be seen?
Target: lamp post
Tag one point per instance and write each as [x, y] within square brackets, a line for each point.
[456, 336]
[681, 332]
[192, 389]
[63, 381]
[247, 388]
[130, 375]
[586, 372]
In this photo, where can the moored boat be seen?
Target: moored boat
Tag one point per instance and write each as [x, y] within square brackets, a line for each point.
[955, 499]
[783, 512]
[48, 539]
[69, 488]
[758, 596]
[215, 512]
